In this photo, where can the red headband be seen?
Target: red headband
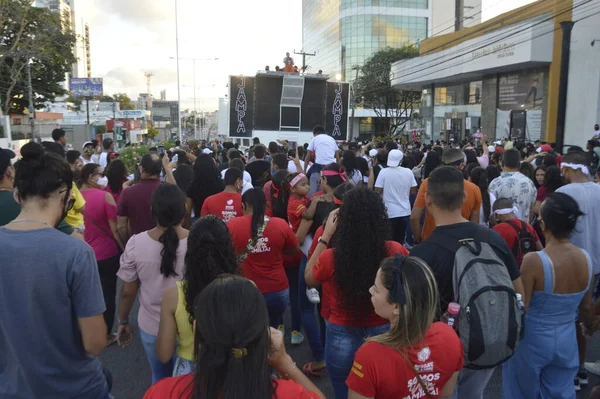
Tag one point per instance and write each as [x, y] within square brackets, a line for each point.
[337, 201]
[339, 173]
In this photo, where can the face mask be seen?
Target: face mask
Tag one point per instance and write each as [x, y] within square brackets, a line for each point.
[103, 182]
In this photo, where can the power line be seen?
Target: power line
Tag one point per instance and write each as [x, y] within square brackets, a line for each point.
[473, 47]
[421, 68]
[490, 43]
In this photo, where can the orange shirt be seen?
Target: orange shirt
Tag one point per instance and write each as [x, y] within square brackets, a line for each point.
[471, 203]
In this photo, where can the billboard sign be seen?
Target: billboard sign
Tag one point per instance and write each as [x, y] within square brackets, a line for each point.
[336, 119]
[241, 108]
[86, 87]
[132, 114]
[521, 90]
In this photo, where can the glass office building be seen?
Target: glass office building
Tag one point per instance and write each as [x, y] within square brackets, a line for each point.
[344, 33]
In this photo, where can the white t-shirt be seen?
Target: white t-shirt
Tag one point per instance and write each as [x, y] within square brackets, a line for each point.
[247, 177]
[85, 161]
[103, 159]
[356, 177]
[292, 167]
[482, 214]
[585, 235]
[324, 147]
[396, 184]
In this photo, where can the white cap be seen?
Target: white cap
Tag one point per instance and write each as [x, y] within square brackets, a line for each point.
[87, 143]
[394, 158]
[373, 153]
[491, 148]
[206, 151]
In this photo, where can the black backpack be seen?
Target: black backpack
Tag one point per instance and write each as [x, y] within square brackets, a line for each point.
[525, 241]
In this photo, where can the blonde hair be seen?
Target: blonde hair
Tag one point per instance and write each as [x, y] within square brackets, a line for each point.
[421, 307]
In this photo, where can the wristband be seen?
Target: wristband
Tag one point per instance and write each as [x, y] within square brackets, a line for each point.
[123, 322]
[322, 241]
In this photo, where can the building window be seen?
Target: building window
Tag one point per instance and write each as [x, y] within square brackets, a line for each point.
[475, 92]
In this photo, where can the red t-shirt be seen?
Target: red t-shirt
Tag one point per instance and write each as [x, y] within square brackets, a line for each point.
[289, 261]
[320, 192]
[264, 265]
[181, 387]
[510, 234]
[296, 208]
[382, 372]
[224, 205]
[324, 271]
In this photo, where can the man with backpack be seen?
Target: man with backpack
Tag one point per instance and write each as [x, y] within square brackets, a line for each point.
[520, 236]
[475, 268]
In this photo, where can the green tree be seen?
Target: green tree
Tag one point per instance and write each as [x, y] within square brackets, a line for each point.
[153, 132]
[106, 99]
[124, 101]
[35, 36]
[372, 88]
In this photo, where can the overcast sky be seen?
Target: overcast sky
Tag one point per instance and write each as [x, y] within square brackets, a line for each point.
[130, 37]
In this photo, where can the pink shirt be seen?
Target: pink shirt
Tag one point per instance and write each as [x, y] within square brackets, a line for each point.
[141, 260]
[97, 230]
[114, 195]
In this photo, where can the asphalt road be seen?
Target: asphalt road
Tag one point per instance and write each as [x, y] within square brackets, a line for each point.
[131, 371]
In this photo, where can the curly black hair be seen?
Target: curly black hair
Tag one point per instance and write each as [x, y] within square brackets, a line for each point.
[360, 246]
[210, 253]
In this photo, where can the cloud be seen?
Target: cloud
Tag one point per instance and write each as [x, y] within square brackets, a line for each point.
[136, 10]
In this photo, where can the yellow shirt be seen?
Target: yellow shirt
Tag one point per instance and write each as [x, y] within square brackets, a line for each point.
[185, 333]
[74, 216]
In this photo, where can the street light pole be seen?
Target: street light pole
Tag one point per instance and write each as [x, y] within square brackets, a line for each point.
[178, 87]
[195, 112]
[31, 105]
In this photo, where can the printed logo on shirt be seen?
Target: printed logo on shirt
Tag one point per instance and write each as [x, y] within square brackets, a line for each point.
[229, 212]
[423, 368]
[262, 246]
[356, 367]
[424, 354]
[416, 388]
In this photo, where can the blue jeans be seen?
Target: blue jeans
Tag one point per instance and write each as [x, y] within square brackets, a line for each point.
[292, 275]
[277, 303]
[107, 386]
[340, 347]
[307, 313]
[159, 370]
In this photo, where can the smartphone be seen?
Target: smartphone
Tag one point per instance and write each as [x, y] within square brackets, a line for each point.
[161, 151]
[292, 145]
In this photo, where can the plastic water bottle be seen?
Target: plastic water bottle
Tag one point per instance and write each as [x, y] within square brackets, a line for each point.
[521, 307]
[451, 315]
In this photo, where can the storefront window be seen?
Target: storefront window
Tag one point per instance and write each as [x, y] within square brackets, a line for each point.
[366, 126]
[475, 92]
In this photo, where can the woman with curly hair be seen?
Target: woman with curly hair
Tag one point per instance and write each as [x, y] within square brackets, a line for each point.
[207, 181]
[346, 270]
[210, 253]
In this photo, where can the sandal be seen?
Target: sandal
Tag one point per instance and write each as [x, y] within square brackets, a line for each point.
[308, 369]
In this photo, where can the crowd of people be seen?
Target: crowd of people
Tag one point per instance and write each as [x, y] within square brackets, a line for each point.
[413, 270]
